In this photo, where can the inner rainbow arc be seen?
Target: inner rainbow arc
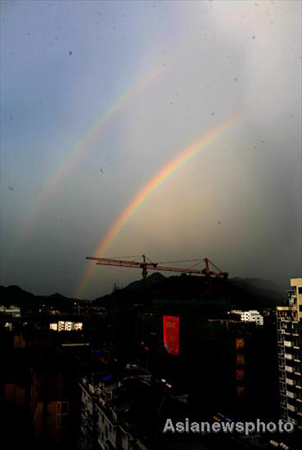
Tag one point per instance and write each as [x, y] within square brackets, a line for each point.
[182, 157]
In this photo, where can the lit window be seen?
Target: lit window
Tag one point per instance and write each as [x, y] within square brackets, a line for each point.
[239, 343]
[240, 374]
[240, 391]
[240, 359]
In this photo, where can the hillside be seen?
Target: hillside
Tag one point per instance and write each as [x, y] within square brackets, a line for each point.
[245, 293]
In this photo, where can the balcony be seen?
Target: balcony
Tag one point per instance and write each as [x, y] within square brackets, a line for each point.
[288, 344]
[288, 356]
[290, 394]
[289, 369]
[91, 389]
[293, 421]
[289, 382]
[291, 408]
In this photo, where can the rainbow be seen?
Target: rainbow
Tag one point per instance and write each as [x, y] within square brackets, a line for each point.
[175, 164]
[81, 147]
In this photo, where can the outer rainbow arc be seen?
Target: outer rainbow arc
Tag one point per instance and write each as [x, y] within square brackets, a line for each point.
[182, 157]
[80, 148]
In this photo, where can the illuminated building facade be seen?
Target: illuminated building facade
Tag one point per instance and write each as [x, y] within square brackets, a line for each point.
[240, 367]
[289, 332]
[12, 310]
[249, 316]
[63, 325]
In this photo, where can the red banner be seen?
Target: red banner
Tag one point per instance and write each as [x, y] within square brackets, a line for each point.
[171, 335]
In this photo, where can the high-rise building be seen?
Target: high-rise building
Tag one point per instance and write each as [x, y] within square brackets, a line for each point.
[289, 330]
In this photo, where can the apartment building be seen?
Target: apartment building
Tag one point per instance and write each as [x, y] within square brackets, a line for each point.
[125, 411]
[63, 325]
[249, 316]
[289, 332]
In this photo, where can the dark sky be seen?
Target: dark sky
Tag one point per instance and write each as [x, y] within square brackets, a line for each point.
[97, 97]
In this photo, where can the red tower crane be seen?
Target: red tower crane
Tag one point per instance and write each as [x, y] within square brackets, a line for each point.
[149, 265]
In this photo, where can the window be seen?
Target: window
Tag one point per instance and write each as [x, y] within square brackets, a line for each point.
[64, 407]
[240, 374]
[240, 343]
[240, 359]
[64, 421]
[240, 391]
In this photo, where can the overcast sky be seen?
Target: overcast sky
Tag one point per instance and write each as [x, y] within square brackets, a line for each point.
[150, 77]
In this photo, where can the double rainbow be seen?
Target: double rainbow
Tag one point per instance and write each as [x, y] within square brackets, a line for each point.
[81, 147]
[176, 163]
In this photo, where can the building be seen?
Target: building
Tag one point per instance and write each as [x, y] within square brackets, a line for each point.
[12, 310]
[289, 332]
[181, 342]
[54, 394]
[125, 411]
[249, 316]
[104, 403]
[63, 325]
[50, 399]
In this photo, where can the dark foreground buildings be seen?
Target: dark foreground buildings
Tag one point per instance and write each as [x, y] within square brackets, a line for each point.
[109, 375]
